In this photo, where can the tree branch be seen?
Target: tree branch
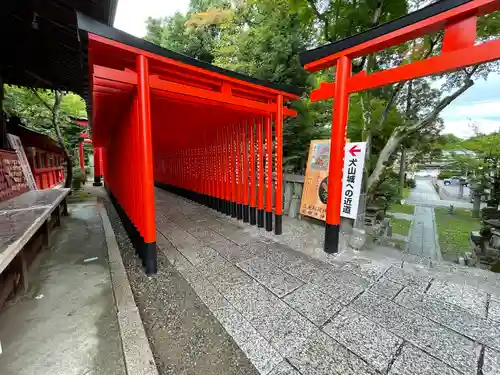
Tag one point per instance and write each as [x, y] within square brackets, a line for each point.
[41, 100]
[322, 18]
[401, 132]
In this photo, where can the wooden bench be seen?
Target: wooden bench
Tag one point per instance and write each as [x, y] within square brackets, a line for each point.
[25, 225]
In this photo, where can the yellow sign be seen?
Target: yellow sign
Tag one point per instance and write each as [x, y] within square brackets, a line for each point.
[315, 191]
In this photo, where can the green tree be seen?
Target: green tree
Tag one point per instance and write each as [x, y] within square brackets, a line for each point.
[48, 112]
[194, 34]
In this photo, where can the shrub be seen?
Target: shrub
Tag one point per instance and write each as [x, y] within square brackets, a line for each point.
[446, 174]
[76, 183]
[410, 183]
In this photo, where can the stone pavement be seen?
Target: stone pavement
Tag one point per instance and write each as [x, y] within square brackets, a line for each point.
[423, 237]
[293, 311]
[66, 323]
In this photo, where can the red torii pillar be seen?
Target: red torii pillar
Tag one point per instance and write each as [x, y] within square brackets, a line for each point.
[82, 160]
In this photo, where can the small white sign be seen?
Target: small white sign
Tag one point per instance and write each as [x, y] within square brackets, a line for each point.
[354, 163]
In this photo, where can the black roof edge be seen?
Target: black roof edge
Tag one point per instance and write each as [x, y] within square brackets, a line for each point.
[431, 10]
[90, 25]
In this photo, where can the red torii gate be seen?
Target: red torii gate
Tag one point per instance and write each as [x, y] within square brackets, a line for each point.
[458, 18]
[98, 163]
[168, 120]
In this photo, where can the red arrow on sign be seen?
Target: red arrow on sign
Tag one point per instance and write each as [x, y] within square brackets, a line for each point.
[354, 149]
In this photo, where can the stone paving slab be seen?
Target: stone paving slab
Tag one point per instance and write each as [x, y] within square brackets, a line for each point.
[373, 343]
[386, 288]
[269, 275]
[452, 316]
[405, 277]
[465, 296]
[233, 252]
[263, 356]
[491, 363]
[321, 355]
[253, 300]
[452, 348]
[366, 269]
[284, 328]
[494, 310]
[342, 285]
[284, 368]
[311, 302]
[413, 361]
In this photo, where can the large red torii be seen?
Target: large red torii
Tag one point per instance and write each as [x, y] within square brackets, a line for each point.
[458, 18]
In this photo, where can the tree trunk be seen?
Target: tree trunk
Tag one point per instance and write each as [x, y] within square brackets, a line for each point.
[402, 171]
[55, 115]
[399, 133]
[476, 205]
[58, 95]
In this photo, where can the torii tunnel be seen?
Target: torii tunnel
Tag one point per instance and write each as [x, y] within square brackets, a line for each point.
[161, 118]
[458, 19]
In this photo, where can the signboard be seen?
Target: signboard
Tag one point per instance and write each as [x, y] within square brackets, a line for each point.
[15, 143]
[315, 193]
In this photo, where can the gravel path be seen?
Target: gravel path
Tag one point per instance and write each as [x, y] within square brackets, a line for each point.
[184, 335]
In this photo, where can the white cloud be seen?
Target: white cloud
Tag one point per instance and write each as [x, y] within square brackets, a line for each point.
[131, 15]
[483, 109]
[479, 105]
[462, 128]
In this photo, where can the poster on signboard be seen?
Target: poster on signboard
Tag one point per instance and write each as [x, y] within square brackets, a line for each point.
[315, 193]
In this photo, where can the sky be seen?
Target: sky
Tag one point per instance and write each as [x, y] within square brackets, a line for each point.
[480, 104]
[131, 15]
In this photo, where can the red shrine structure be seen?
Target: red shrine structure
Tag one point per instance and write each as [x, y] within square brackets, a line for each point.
[458, 19]
[164, 119]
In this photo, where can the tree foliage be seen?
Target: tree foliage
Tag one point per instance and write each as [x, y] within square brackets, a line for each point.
[24, 103]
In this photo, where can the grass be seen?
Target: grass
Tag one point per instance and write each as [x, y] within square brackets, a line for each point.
[453, 231]
[400, 226]
[402, 208]
[406, 192]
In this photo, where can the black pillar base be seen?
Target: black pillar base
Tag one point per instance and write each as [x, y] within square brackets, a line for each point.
[97, 181]
[149, 258]
[260, 218]
[145, 250]
[269, 221]
[234, 209]
[332, 232]
[278, 224]
[246, 213]
[253, 216]
[239, 211]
